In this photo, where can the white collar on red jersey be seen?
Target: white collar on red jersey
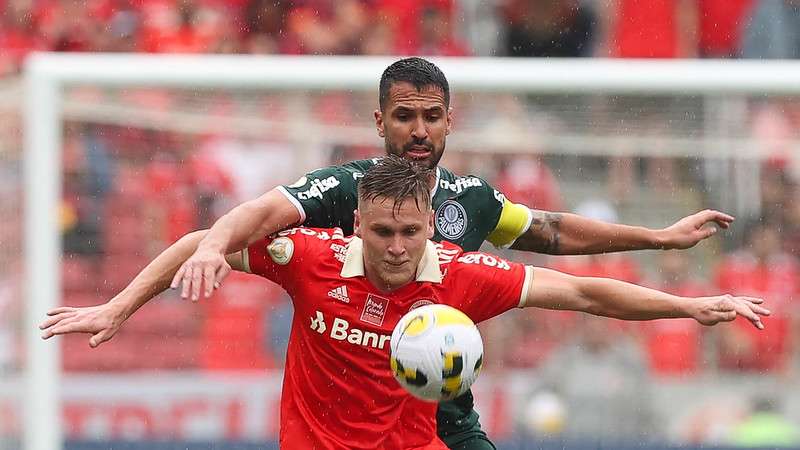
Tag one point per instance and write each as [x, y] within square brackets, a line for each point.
[428, 269]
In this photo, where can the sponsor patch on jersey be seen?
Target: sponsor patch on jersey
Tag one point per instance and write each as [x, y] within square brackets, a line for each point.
[374, 310]
[451, 220]
[318, 188]
[281, 250]
[299, 183]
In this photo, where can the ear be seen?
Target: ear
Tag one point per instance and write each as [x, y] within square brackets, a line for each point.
[357, 223]
[449, 121]
[379, 123]
[430, 225]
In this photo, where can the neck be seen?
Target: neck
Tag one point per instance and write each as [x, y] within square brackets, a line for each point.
[382, 284]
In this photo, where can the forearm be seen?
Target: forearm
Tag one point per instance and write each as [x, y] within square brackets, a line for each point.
[621, 300]
[571, 234]
[156, 277]
[581, 235]
[249, 222]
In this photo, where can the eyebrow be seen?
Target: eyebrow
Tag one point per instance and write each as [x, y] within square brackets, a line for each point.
[407, 108]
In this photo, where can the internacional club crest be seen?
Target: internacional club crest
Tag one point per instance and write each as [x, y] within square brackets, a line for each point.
[451, 220]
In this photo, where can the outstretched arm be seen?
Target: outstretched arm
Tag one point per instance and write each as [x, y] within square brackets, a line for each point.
[186, 260]
[613, 298]
[571, 234]
[103, 321]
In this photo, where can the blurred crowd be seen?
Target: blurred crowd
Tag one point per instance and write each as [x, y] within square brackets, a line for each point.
[617, 28]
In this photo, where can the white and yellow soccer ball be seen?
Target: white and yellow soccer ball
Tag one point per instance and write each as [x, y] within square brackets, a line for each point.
[436, 352]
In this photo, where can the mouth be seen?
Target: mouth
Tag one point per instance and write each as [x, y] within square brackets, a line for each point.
[418, 152]
[395, 264]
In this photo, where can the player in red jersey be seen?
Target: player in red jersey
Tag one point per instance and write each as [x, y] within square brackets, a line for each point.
[349, 293]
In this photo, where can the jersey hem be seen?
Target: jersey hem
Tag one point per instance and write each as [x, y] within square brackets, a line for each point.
[526, 286]
[294, 202]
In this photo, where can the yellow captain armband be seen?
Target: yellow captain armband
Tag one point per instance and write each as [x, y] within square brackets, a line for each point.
[514, 221]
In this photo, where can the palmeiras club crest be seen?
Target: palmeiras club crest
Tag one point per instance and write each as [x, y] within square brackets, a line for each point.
[451, 220]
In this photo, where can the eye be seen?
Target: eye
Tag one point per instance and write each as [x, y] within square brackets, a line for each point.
[383, 232]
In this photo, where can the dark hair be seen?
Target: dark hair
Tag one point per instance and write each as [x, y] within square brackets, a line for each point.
[417, 71]
[397, 179]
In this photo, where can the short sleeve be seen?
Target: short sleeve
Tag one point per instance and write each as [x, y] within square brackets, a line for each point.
[485, 286]
[326, 197]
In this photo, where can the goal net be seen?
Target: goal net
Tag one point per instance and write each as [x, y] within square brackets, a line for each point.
[124, 154]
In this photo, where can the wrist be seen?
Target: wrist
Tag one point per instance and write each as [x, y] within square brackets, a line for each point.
[213, 246]
[687, 308]
[121, 308]
[659, 240]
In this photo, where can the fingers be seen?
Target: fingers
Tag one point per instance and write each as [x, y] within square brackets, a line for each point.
[178, 277]
[52, 320]
[743, 309]
[222, 273]
[61, 309]
[707, 232]
[68, 326]
[186, 282]
[721, 219]
[760, 310]
[100, 337]
[749, 308]
[209, 281]
[196, 280]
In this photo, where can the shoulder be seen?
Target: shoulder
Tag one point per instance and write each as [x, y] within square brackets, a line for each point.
[471, 185]
[319, 181]
[481, 262]
[452, 257]
[322, 242]
[447, 252]
[313, 235]
[354, 170]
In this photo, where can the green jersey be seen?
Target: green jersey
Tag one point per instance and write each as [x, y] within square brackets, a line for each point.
[467, 209]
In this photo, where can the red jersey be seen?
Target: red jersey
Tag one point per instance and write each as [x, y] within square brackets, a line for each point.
[338, 389]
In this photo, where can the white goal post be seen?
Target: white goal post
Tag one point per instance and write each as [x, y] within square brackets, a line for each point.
[47, 74]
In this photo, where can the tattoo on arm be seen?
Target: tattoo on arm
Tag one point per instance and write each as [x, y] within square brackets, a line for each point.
[543, 235]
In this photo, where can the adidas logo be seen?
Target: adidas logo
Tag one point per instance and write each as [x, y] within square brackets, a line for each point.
[340, 293]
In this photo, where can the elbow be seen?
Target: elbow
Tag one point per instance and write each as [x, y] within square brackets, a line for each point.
[596, 309]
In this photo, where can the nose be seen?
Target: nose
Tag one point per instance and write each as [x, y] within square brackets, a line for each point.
[419, 132]
[396, 247]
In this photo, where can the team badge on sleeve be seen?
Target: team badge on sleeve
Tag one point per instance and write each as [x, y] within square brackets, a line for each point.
[281, 250]
[451, 220]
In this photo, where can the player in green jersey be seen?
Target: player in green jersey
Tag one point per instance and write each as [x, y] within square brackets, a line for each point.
[414, 118]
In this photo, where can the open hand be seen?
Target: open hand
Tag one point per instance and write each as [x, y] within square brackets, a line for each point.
[101, 321]
[725, 308]
[690, 230]
[205, 270]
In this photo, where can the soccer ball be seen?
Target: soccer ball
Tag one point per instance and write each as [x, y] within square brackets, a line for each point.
[436, 352]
